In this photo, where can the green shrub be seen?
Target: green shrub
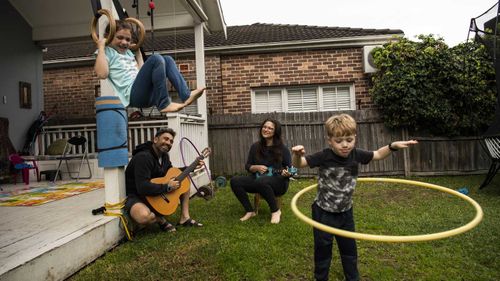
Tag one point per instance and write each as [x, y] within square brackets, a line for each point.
[434, 89]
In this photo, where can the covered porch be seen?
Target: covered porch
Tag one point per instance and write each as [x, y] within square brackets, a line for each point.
[54, 240]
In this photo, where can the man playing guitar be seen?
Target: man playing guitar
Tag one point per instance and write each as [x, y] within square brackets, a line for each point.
[150, 160]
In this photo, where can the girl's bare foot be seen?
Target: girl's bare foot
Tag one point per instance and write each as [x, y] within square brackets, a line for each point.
[275, 217]
[195, 94]
[247, 216]
[173, 107]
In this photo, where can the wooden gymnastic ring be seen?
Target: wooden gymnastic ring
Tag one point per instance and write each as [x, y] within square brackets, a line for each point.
[141, 35]
[112, 26]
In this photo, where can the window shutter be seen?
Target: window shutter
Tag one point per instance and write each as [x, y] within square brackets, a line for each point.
[300, 100]
[336, 98]
[294, 100]
[260, 101]
[268, 101]
[343, 98]
[275, 103]
[310, 99]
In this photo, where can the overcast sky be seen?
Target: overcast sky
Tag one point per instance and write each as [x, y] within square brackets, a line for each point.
[447, 18]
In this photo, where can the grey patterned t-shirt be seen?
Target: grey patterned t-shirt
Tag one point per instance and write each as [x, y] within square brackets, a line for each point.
[337, 177]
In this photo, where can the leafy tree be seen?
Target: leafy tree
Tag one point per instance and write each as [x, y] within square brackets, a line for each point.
[431, 88]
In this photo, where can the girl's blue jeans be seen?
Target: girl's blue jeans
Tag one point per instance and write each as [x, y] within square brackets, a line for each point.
[150, 85]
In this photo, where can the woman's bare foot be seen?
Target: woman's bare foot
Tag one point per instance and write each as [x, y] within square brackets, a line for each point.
[275, 217]
[195, 94]
[247, 216]
[173, 107]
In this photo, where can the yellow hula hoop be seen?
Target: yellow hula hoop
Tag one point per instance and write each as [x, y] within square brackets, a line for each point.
[389, 238]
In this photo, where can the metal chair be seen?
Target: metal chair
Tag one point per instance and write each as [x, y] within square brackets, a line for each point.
[79, 145]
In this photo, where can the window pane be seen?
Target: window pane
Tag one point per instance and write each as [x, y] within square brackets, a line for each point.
[310, 100]
[294, 100]
[261, 101]
[337, 98]
[274, 103]
[343, 98]
[268, 101]
[329, 99]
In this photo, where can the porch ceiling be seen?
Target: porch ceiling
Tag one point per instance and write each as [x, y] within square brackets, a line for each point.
[53, 20]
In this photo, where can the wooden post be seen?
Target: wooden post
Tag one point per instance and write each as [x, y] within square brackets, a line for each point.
[114, 178]
[200, 80]
[174, 122]
[406, 153]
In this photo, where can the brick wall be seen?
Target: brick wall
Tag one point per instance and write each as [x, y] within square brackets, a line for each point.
[72, 90]
[229, 79]
[242, 73]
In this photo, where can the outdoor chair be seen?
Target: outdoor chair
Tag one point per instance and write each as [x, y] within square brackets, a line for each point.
[18, 164]
[79, 145]
[492, 146]
[256, 202]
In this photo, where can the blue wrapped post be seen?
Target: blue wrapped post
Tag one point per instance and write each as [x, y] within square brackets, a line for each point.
[111, 132]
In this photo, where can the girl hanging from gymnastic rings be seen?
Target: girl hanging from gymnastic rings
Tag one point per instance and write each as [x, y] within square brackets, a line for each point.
[138, 83]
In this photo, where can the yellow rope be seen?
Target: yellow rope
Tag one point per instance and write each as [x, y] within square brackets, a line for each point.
[118, 206]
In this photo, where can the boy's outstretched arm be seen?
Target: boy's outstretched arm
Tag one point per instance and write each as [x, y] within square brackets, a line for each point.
[298, 159]
[384, 151]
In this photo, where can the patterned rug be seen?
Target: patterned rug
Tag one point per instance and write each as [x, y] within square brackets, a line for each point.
[41, 195]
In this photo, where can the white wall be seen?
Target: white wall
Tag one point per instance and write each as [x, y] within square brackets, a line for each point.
[20, 60]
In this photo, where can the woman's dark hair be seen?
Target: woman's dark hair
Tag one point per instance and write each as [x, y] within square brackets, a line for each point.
[276, 147]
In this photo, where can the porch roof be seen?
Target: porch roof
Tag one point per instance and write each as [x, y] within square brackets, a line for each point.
[58, 20]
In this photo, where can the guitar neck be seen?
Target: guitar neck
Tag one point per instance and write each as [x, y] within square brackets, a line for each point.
[189, 169]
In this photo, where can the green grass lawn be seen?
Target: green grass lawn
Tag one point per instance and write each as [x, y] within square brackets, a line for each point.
[227, 249]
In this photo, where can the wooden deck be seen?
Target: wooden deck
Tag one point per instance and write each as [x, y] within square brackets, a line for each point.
[54, 240]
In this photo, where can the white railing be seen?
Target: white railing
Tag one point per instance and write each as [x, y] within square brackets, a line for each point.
[189, 126]
[50, 134]
[142, 131]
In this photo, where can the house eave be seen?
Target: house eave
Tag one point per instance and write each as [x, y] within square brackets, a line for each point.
[298, 45]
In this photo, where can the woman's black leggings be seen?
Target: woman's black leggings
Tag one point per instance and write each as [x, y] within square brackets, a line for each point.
[267, 186]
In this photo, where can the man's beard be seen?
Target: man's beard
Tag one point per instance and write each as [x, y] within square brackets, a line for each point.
[165, 149]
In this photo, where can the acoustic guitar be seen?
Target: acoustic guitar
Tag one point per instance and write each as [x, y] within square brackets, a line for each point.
[272, 171]
[167, 202]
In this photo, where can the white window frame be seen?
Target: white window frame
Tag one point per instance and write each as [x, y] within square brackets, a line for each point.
[319, 97]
